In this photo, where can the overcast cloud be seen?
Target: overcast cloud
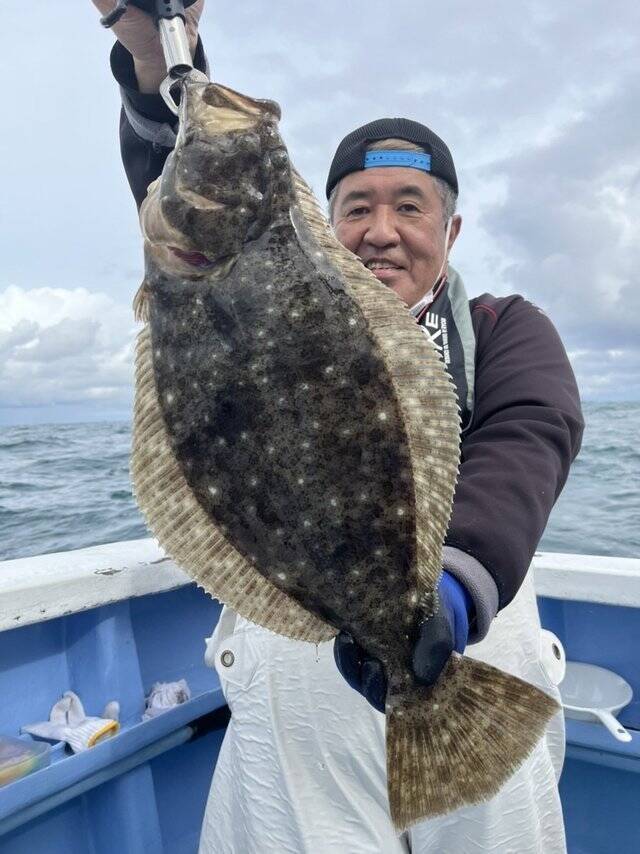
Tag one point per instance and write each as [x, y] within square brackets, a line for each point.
[538, 102]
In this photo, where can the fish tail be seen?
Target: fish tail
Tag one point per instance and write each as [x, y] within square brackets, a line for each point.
[141, 303]
[457, 743]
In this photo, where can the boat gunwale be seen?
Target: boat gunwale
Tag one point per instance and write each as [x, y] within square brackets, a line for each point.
[43, 587]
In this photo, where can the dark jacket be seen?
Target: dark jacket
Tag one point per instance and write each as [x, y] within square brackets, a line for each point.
[527, 423]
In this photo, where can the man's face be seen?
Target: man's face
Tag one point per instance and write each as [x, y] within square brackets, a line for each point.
[392, 219]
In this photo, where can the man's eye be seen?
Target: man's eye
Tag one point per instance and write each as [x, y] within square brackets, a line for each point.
[354, 212]
[409, 207]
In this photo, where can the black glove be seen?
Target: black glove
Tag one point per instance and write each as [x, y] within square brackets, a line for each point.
[438, 636]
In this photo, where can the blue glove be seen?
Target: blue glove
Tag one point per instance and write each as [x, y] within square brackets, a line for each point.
[438, 636]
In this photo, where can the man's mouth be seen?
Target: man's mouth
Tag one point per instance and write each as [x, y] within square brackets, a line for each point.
[382, 268]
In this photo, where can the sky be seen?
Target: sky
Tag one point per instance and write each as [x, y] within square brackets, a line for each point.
[537, 100]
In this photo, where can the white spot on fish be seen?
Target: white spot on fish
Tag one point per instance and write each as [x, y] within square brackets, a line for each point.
[305, 386]
[316, 425]
[282, 576]
[305, 445]
[318, 254]
[307, 523]
[264, 380]
[158, 353]
[169, 397]
[329, 369]
[244, 435]
[363, 496]
[352, 321]
[378, 552]
[221, 441]
[333, 502]
[355, 573]
[194, 385]
[254, 481]
[351, 592]
[198, 301]
[268, 287]
[268, 263]
[400, 511]
[271, 449]
[282, 400]
[294, 314]
[382, 416]
[213, 490]
[279, 532]
[300, 481]
[414, 598]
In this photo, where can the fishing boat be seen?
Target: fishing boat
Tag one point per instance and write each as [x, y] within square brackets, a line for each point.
[108, 622]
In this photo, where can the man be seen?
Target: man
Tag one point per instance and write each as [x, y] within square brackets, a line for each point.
[302, 767]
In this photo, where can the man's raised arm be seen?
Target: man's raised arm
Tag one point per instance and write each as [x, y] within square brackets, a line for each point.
[147, 126]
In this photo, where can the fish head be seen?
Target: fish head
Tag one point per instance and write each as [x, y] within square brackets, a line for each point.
[227, 180]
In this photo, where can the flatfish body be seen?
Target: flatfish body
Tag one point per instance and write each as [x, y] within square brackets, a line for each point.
[296, 441]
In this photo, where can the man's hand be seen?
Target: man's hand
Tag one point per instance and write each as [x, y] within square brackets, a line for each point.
[439, 636]
[137, 32]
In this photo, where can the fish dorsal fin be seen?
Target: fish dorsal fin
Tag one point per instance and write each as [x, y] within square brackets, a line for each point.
[189, 535]
[424, 390]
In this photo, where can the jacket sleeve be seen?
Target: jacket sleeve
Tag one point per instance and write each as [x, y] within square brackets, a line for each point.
[526, 430]
[147, 125]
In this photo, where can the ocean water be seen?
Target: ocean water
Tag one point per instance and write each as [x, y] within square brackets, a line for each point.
[66, 486]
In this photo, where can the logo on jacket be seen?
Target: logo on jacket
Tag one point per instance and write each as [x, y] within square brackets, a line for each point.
[435, 328]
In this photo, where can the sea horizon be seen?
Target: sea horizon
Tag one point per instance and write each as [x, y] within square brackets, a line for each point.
[66, 485]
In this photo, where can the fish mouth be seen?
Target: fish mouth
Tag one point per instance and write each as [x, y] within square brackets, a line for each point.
[194, 259]
[216, 109]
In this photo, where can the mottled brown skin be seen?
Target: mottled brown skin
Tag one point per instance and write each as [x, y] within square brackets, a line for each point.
[276, 400]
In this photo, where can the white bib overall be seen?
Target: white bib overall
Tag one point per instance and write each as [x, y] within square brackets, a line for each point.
[302, 767]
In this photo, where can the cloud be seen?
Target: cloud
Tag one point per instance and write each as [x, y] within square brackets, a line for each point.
[61, 346]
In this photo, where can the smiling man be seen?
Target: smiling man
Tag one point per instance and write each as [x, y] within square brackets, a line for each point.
[302, 767]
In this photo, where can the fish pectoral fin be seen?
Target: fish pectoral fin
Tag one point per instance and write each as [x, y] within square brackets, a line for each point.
[141, 302]
[457, 743]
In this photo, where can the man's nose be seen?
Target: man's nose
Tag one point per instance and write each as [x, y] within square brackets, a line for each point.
[381, 229]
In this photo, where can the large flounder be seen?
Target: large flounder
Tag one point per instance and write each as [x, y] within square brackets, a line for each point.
[296, 442]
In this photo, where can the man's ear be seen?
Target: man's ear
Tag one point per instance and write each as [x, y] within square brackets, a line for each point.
[456, 225]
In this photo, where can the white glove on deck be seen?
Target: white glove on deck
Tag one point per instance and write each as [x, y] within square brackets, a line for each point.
[68, 722]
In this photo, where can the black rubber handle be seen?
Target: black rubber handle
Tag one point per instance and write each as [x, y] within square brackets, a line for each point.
[156, 8]
[163, 8]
